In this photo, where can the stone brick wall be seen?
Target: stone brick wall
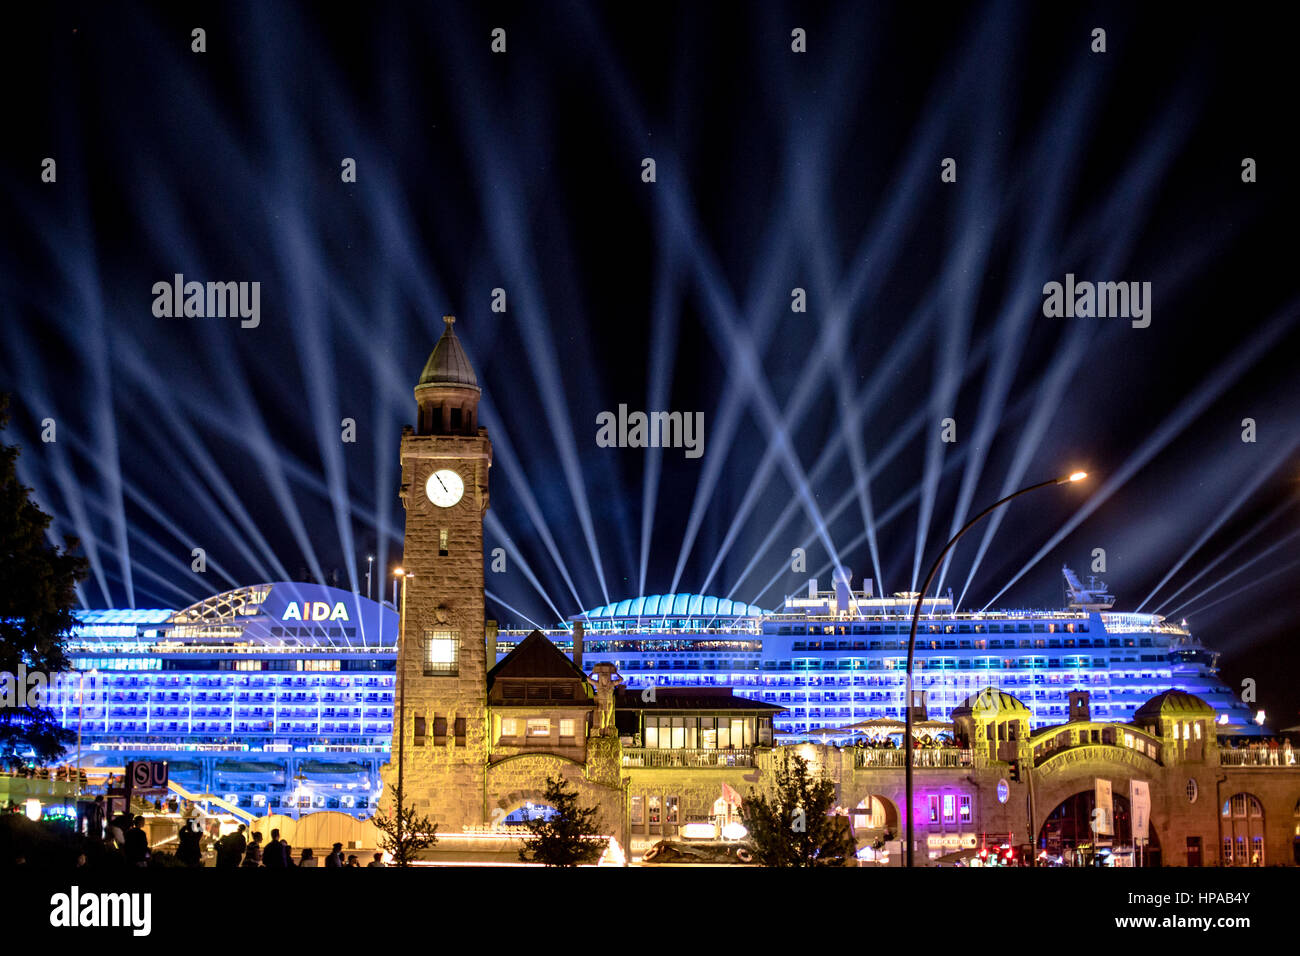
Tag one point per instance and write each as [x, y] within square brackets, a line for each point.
[446, 594]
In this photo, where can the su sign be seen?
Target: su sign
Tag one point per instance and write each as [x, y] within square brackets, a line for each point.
[315, 611]
[147, 774]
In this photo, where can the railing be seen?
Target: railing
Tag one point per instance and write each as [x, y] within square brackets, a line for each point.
[1257, 758]
[646, 757]
[875, 757]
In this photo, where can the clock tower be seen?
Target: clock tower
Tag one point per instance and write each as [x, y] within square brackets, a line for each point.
[440, 706]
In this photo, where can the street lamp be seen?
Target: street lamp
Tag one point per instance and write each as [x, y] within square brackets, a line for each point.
[1071, 478]
[81, 716]
[401, 695]
[370, 567]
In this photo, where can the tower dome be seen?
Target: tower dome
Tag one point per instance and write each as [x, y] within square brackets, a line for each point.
[1173, 703]
[448, 364]
[447, 393]
[991, 702]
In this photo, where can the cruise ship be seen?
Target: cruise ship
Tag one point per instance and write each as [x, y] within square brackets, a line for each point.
[837, 657]
[273, 698]
[279, 697]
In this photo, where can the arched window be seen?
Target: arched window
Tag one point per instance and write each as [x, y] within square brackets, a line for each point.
[1241, 829]
[1295, 850]
[870, 814]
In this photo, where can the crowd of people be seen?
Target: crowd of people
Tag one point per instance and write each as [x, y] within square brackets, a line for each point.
[1265, 753]
[67, 774]
[238, 848]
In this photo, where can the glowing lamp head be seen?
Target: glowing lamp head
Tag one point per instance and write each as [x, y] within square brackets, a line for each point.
[1078, 475]
[398, 573]
[1259, 718]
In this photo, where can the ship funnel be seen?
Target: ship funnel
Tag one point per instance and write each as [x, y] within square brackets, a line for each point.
[843, 593]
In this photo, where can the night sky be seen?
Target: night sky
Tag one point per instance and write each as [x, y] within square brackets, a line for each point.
[775, 170]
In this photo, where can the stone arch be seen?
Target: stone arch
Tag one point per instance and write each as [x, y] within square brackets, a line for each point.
[521, 778]
[1241, 830]
[1069, 772]
[873, 814]
[1295, 839]
[532, 755]
[1065, 828]
[515, 800]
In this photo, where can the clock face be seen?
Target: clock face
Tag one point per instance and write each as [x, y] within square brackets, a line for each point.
[444, 488]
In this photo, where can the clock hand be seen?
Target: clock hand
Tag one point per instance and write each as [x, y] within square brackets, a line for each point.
[444, 487]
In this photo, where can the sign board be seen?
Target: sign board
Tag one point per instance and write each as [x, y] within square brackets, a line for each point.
[146, 775]
[1004, 790]
[1139, 796]
[951, 841]
[1103, 814]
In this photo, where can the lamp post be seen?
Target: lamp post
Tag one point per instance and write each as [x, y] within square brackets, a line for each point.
[911, 638]
[81, 716]
[370, 567]
[401, 696]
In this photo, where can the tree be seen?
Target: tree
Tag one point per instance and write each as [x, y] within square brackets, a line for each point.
[38, 599]
[569, 837]
[403, 833]
[792, 824]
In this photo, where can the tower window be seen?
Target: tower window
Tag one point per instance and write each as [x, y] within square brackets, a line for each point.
[455, 419]
[419, 731]
[441, 653]
[442, 542]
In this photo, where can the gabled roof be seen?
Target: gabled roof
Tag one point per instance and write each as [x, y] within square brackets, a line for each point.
[535, 657]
